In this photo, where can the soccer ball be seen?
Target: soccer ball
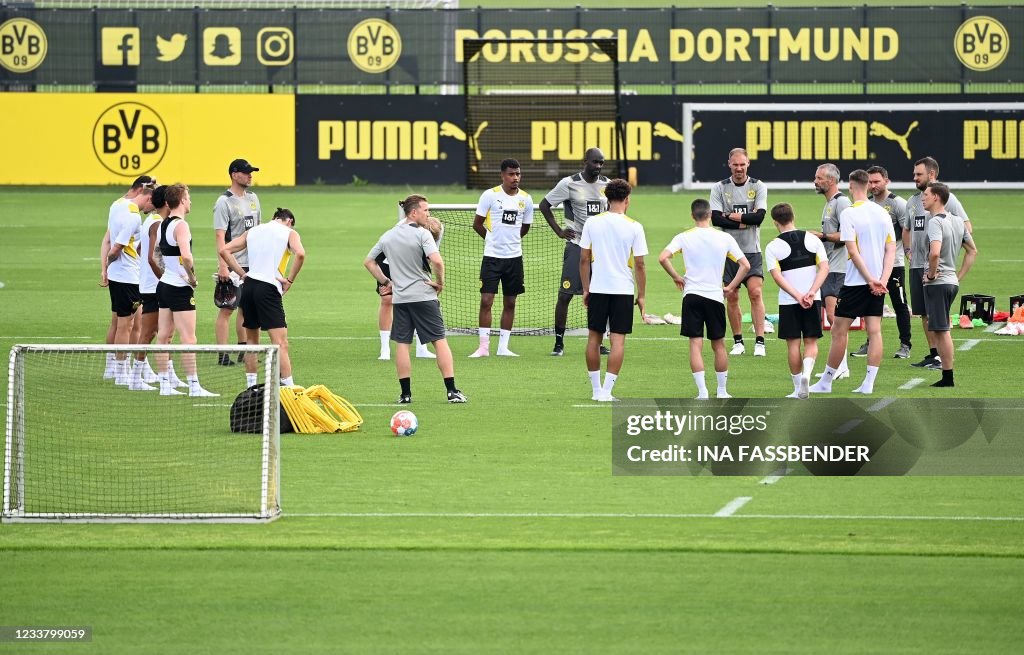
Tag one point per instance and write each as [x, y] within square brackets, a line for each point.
[404, 423]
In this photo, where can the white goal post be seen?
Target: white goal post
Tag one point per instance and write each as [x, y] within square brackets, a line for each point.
[80, 447]
[786, 141]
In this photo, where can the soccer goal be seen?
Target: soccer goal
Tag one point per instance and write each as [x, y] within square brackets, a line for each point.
[542, 102]
[463, 250]
[80, 447]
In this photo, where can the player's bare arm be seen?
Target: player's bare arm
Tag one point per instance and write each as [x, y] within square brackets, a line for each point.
[665, 259]
[478, 226]
[549, 216]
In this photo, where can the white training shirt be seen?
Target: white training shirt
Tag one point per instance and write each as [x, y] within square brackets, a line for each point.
[504, 216]
[174, 270]
[801, 278]
[705, 250]
[124, 223]
[613, 239]
[148, 279]
[268, 252]
[870, 226]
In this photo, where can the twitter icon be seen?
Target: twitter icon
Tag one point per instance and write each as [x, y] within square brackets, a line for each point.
[170, 49]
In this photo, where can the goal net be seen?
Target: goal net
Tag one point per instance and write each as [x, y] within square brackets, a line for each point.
[542, 102]
[80, 447]
[463, 250]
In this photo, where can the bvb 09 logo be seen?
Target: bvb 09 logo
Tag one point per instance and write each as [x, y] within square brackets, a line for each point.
[22, 45]
[374, 45]
[981, 43]
[129, 139]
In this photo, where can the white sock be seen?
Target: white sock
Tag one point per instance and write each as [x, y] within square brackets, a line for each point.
[702, 387]
[485, 337]
[826, 379]
[609, 382]
[193, 379]
[503, 337]
[808, 366]
[797, 377]
[843, 366]
[110, 361]
[723, 380]
[250, 379]
[287, 382]
[595, 381]
[385, 340]
[869, 379]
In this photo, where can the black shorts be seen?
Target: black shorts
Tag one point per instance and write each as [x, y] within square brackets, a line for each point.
[756, 268]
[858, 301]
[150, 303]
[507, 271]
[796, 322]
[571, 284]
[699, 312]
[613, 310]
[918, 307]
[938, 299]
[176, 299]
[832, 285]
[386, 270]
[423, 316]
[261, 306]
[124, 298]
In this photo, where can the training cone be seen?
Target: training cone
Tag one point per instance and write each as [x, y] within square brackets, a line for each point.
[965, 322]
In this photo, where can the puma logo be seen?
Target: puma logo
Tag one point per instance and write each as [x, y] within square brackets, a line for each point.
[454, 131]
[883, 130]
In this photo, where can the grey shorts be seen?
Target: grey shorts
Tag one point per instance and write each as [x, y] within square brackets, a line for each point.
[938, 300]
[756, 268]
[424, 317]
[833, 283]
[918, 305]
[571, 284]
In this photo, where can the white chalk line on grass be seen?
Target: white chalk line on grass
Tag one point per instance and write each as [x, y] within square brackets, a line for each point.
[994, 327]
[911, 383]
[970, 343]
[733, 506]
[774, 477]
[638, 515]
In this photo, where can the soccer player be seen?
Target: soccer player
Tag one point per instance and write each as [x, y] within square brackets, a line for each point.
[582, 196]
[799, 265]
[269, 247]
[176, 291]
[151, 268]
[915, 240]
[947, 234]
[236, 210]
[414, 294]
[878, 188]
[871, 245]
[738, 204]
[826, 182]
[705, 253]
[503, 217]
[612, 250]
[119, 272]
[384, 312]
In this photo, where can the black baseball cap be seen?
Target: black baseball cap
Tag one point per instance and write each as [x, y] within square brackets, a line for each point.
[241, 166]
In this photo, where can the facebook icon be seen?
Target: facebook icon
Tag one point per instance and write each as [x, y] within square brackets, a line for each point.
[120, 46]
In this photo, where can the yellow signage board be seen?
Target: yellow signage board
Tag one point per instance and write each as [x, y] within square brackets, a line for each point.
[112, 138]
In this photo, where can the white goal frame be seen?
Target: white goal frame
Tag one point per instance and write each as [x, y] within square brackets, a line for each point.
[13, 510]
[688, 183]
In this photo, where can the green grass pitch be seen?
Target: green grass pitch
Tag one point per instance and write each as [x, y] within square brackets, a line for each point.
[499, 528]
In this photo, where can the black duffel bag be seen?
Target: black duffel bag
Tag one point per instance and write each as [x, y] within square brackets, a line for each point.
[247, 412]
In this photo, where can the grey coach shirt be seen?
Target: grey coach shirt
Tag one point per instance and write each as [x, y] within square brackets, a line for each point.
[405, 246]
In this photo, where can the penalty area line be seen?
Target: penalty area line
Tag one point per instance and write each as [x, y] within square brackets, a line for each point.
[970, 343]
[910, 384]
[733, 506]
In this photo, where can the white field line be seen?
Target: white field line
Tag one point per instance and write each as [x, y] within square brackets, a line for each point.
[609, 515]
[733, 506]
[1007, 261]
[774, 477]
[882, 404]
[970, 343]
[848, 426]
[910, 384]
[994, 327]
